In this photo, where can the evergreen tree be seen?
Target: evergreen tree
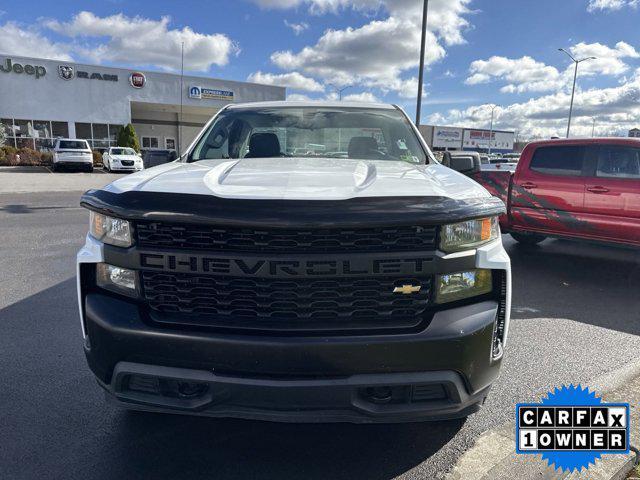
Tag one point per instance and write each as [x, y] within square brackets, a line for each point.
[3, 136]
[127, 138]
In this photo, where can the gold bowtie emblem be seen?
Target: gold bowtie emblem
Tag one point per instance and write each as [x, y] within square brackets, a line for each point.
[407, 289]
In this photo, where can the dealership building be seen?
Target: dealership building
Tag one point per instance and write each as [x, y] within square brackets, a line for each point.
[46, 99]
[473, 139]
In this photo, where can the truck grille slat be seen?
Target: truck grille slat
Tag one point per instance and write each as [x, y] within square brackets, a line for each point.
[335, 301]
[320, 240]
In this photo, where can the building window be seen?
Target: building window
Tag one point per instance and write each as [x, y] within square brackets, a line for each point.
[7, 125]
[100, 131]
[113, 132]
[170, 143]
[99, 135]
[149, 142]
[83, 131]
[60, 129]
[42, 129]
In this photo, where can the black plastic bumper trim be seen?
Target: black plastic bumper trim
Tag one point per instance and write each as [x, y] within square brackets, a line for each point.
[306, 400]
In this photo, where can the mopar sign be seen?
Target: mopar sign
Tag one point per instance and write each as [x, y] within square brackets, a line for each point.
[202, 93]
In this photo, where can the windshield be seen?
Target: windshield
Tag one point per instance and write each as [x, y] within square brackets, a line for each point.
[123, 151]
[339, 132]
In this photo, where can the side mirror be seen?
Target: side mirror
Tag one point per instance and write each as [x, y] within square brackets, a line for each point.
[466, 165]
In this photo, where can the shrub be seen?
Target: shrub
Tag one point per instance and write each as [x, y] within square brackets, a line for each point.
[9, 150]
[29, 157]
[127, 138]
[46, 158]
[97, 158]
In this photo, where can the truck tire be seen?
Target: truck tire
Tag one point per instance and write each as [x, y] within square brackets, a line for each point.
[527, 238]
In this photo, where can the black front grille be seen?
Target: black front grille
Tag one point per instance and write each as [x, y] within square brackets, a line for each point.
[127, 163]
[290, 304]
[269, 240]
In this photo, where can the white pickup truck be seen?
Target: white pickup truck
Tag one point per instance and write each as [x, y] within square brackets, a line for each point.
[262, 276]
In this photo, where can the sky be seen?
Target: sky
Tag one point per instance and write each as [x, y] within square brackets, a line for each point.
[481, 54]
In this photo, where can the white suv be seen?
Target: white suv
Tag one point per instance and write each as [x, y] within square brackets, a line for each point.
[71, 152]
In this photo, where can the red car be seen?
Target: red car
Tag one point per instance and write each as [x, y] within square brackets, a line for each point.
[585, 189]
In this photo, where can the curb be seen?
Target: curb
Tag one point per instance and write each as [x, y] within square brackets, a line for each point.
[493, 457]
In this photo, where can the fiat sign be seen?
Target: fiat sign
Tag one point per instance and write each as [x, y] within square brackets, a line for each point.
[137, 79]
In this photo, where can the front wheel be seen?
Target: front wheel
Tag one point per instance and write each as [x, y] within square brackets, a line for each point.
[528, 238]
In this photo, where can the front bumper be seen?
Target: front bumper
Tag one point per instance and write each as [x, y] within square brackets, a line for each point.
[321, 378]
[124, 168]
[296, 379]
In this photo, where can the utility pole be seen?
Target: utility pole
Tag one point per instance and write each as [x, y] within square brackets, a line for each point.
[425, 8]
[573, 89]
[181, 94]
[491, 129]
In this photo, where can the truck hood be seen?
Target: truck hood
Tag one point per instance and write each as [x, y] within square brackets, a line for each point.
[301, 179]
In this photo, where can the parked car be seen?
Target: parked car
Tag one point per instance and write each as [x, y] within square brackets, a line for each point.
[71, 152]
[242, 282]
[122, 159]
[514, 157]
[587, 189]
[153, 158]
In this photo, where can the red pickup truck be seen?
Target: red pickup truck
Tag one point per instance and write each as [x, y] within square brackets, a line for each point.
[585, 189]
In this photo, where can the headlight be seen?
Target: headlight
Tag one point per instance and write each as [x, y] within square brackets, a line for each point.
[117, 279]
[460, 285]
[113, 231]
[470, 234]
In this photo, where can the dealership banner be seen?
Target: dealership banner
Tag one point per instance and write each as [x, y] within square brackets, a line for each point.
[202, 93]
[480, 139]
[447, 137]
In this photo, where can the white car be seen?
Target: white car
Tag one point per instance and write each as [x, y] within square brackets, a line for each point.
[71, 152]
[122, 159]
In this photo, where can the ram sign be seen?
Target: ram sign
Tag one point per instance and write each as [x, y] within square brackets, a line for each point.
[447, 137]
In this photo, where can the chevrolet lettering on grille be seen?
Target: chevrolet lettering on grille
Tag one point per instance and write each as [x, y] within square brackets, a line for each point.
[261, 267]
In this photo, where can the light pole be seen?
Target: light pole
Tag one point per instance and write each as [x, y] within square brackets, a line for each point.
[573, 90]
[425, 7]
[491, 128]
[340, 90]
[181, 88]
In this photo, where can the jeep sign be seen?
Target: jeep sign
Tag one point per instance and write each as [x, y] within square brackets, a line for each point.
[37, 70]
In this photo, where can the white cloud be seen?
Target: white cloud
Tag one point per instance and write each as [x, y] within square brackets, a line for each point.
[297, 28]
[608, 60]
[300, 97]
[526, 74]
[29, 42]
[521, 74]
[611, 5]
[360, 97]
[293, 80]
[144, 41]
[379, 53]
[616, 109]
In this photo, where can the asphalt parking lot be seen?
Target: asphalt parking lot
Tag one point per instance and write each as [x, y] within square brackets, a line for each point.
[576, 316]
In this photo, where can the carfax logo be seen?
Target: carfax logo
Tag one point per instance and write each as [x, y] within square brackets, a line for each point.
[572, 428]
